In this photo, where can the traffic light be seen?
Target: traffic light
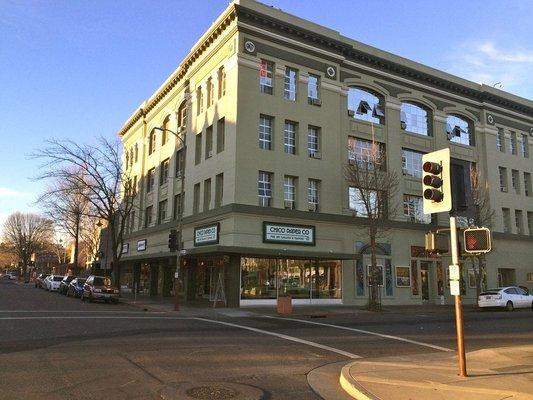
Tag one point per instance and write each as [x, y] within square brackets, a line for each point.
[436, 242]
[436, 182]
[173, 240]
[477, 240]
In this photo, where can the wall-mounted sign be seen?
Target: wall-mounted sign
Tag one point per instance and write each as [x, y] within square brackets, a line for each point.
[125, 248]
[289, 234]
[141, 245]
[207, 234]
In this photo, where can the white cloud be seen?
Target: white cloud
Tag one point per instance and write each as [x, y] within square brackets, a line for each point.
[7, 192]
[486, 62]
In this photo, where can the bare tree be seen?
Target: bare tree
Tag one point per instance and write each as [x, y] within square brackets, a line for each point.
[100, 180]
[25, 234]
[483, 216]
[372, 188]
[90, 237]
[65, 202]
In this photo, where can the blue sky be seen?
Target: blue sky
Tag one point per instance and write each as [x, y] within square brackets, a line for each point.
[77, 69]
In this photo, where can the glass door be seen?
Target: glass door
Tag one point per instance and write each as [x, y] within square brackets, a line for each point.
[424, 279]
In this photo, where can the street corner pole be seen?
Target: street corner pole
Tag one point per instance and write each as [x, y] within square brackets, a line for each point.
[177, 285]
[459, 322]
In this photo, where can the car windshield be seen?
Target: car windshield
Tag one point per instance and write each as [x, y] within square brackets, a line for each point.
[101, 281]
[81, 281]
[68, 278]
[58, 278]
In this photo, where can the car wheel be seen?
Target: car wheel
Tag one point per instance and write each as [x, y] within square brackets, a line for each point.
[509, 306]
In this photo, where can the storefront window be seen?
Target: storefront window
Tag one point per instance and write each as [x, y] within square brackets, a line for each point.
[126, 279]
[144, 279]
[264, 278]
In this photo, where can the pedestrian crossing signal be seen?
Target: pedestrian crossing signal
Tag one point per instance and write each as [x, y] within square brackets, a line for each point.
[477, 240]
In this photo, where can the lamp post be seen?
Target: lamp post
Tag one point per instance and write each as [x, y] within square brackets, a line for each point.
[180, 216]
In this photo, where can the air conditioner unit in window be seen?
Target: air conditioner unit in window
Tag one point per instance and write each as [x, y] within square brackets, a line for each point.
[503, 189]
[351, 113]
[316, 154]
[403, 125]
[317, 102]
[210, 154]
[313, 207]
[289, 204]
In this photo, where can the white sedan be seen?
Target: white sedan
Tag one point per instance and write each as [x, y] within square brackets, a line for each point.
[509, 297]
[52, 282]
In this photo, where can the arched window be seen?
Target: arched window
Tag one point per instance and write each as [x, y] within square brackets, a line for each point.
[210, 88]
[151, 142]
[221, 82]
[365, 105]
[199, 101]
[414, 119]
[164, 133]
[459, 130]
[182, 115]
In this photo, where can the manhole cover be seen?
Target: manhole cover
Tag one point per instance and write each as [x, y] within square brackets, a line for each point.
[211, 393]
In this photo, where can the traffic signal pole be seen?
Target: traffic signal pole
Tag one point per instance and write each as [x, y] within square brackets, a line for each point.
[458, 303]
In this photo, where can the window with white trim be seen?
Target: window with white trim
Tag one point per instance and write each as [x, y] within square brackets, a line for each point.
[313, 194]
[366, 152]
[414, 119]
[199, 101]
[289, 191]
[266, 71]
[265, 188]
[413, 210]
[503, 178]
[290, 83]
[365, 105]
[513, 148]
[524, 146]
[313, 87]
[518, 219]
[265, 132]
[515, 180]
[289, 137]
[412, 163]
[500, 140]
[221, 82]
[359, 199]
[313, 141]
[459, 130]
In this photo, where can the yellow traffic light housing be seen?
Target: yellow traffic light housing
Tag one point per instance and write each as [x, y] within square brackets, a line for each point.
[437, 196]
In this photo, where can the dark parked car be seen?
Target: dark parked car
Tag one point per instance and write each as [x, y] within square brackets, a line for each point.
[40, 279]
[99, 288]
[63, 285]
[75, 288]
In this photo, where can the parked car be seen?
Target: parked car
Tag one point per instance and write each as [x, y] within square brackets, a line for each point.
[99, 288]
[509, 297]
[39, 281]
[52, 282]
[12, 275]
[63, 285]
[75, 287]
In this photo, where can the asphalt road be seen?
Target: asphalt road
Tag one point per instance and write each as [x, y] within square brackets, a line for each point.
[53, 347]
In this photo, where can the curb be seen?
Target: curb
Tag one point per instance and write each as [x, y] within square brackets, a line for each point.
[351, 386]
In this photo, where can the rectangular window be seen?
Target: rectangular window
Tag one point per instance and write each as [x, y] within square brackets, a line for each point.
[518, 219]
[313, 194]
[513, 148]
[265, 132]
[136, 152]
[364, 201]
[503, 179]
[207, 194]
[289, 137]
[221, 134]
[134, 185]
[210, 94]
[289, 192]
[500, 140]
[152, 142]
[313, 89]
[150, 180]
[265, 188]
[506, 220]
[413, 211]
[266, 73]
[524, 146]
[180, 162]
[527, 184]
[530, 223]
[132, 221]
[313, 141]
[199, 101]
[196, 199]
[148, 216]
[363, 151]
[163, 172]
[209, 142]
[162, 214]
[515, 180]
[290, 82]
[219, 190]
[221, 82]
[198, 149]
[412, 163]
[177, 206]
[529, 277]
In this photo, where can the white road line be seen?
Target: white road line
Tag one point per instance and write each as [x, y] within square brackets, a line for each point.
[80, 311]
[346, 328]
[286, 337]
[92, 317]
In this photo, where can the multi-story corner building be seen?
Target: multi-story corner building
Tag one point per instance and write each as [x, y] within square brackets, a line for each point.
[268, 109]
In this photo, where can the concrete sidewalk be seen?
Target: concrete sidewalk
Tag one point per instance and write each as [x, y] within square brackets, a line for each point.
[500, 373]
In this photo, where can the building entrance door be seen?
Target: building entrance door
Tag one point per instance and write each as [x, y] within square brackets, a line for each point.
[424, 279]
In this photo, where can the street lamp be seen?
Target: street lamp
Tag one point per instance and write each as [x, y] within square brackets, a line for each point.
[180, 214]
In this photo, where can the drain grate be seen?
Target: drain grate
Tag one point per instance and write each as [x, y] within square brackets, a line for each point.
[212, 393]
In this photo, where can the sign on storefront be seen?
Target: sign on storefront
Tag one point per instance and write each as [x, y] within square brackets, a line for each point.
[141, 245]
[207, 234]
[125, 248]
[288, 234]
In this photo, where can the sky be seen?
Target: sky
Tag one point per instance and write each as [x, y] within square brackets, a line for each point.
[78, 69]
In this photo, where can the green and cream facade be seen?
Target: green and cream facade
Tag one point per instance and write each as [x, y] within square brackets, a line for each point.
[271, 107]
